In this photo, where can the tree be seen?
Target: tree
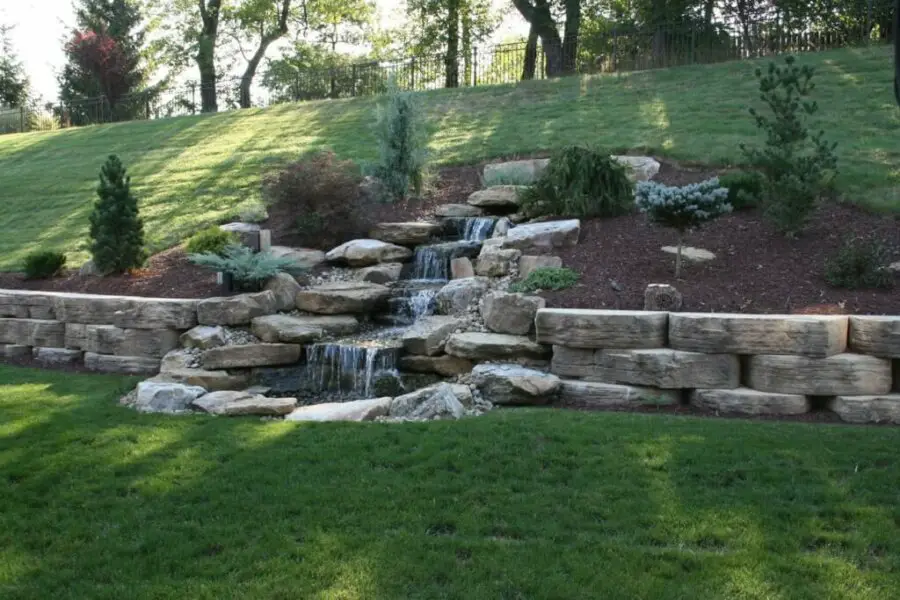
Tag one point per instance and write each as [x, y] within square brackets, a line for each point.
[561, 52]
[266, 20]
[205, 57]
[117, 230]
[13, 81]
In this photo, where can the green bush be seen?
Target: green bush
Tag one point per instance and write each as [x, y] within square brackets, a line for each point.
[859, 264]
[248, 269]
[117, 231]
[546, 278]
[44, 264]
[400, 130]
[211, 240]
[580, 182]
[745, 189]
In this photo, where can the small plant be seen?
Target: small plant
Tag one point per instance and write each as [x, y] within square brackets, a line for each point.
[546, 278]
[859, 264]
[400, 130]
[580, 182]
[745, 189]
[117, 231]
[212, 240]
[682, 208]
[247, 269]
[798, 166]
[44, 264]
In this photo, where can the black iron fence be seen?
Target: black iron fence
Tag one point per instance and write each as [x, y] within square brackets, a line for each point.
[616, 49]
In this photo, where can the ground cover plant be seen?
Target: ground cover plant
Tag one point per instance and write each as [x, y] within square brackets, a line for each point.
[248, 270]
[212, 240]
[40, 265]
[546, 278]
[859, 264]
[191, 172]
[97, 501]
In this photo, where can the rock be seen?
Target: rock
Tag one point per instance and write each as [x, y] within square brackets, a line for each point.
[248, 233]
[383, 273]
[363, 253]
[498, 197]
[251, 355]
[358, 410]
[589, 394]
[662, 297]
[496, 262]
[411, 233]
[304, 259]
[807, 335]
[428, 335]
[204, 337]
[128, 312]
[663, 368]
[512, 384]
[180, 359]
[493, 346]
[894, 267]
[109, 339]
[838, 375]
[234, 404]
[15, 352]
[611, 329]
[640, 168]
[527, 264]
[89, 269]
[456, 297]
[457, 211]
[56, 357]
[285, 288]
[302, 330]
[343, 298]
[126, 365]
[444, 365]
[14, 311]
[868, 409]
[510, 313]
[461, 268]
[523, 172]
[689, 253]
[176, 368]
[154, 396]
[236, 310]
[501, 227]
[876, 336]
[744, 401]
[544, 236]
[33, 332]
[405, 405]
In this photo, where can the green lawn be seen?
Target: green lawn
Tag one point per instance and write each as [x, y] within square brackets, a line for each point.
[195, 171]
[97, 501]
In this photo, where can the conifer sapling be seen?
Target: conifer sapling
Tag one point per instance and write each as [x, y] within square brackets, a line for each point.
[117, 231]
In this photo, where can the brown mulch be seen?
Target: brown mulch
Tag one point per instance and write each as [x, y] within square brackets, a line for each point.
[167, 275]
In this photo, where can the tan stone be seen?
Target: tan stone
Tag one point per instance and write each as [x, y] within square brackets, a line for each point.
[56, 357]
[15, 351]
[543, 236]
[203, 337]
[495, 262]
[411, 233]
[497, 197]
[510, 313]
[362, 253]
[744, 401]
[251, 355]
[590, 394]
[868, 409]
[128, 365]
[667, 369]
[457, 211]
[303, 258]
[444, 365]
[459, 295]
[33, 332]
[876, 336]
[461, 268]
[527, 264]
[384, 273]
[233, 404]
[573, 362]
[523, 172]
[838, 375]
[302, 330]
[343, 298]
[608, 329]
[126, 311]
[358, 410]
[23, 304]
[108, 339]
[236, 310]
[428, 335]
[639, 168]
[493, 346]
[514, 385]
[806, 335]
[284, 287]
[175, 369]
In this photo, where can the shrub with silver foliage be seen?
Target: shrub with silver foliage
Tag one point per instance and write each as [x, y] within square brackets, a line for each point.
[682, 208]
[247, 268]
[400, 129]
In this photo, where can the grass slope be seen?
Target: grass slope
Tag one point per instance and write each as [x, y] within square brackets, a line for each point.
[99, 502]
[194, 171]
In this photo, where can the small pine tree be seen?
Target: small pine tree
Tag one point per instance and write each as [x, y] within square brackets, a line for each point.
[401, 144]
[117, 231]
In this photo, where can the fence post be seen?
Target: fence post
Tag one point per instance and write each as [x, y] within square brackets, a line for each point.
[22, 119]
[474, 66]
[615, 51]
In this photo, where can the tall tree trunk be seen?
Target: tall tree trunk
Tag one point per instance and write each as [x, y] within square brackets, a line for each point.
[452, 58]
[266, 40]
[206, 53]
[708, 7]
[468, 76]
[530, 55]
[570, 41]
[541, 20]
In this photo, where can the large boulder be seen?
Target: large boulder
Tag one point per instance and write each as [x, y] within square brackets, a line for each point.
[639, 168]
[302, 259]
[457, 211]
[362, 253]
[609, 329]
[591, 394]
[512, 384]
[236, 310]
[155, 396]
[109, 339]
[494, 261]
[358, 410]
[494, 346]
[251, 355]
[443, 365]
[461, 268]
[344, 297]
[302, 330]
[883, 408]
[528, 263]
[125, 311]
[457, 296]
[428, 335]
[411, 233]
[876, 336]
[838, 375]
[204, 337]
[544, 236]
[285, 288]
[498, 197]
[233, 404]
[744, 401]
[383, 274]
[510, 313]
[437, 401]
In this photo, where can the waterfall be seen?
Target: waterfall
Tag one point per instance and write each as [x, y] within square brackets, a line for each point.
[410, 304]
[477, 228]
[432, 262]
[349, 369]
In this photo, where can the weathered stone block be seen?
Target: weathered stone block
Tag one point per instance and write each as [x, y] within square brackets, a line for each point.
[383, 274]
[204, 337]
[461, 268]
[510, 313]
[514, 385]
[744, 401]
[251, 355]
[302, 330]
[544, 236]
[876, 336]
[573, 362]
[362, 253]
[108, 339]
[499, 197]
[284, 287]
[75, 336]
[590, 394]
[668, 369]
[14, 351]
[428, 335]
[411, 233]
[607, 329]
[236, 310]
[459, 295]
[868, 409]
[126, 311]
[496, 262]
[527, 264]
[56, 357]
[343, 298]
[129, 365]
[838, 375]
[33, 332]
[162, 397]
[233, 404]
[444, 365]
[357, 410]
[805, 335]
[494, 346]
[14, 311]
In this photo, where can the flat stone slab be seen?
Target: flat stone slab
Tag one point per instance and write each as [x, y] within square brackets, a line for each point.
[302, 330]
[883, 408]
[744, 401]
[667, 369]
[175, 368]
[126, 311]
[358, 410]
[302, 259]
[57, 357]
[816, 336]
[109, 339]
[156, 396]
[876, 336]
[410, 233]
[838, 375]
[16, 352]
[690, 253]
[33, 332]
[236, 310]
[590, 394]
[429, 334]
[343, 298]
[608, 329]
[126, 365]
[514, 385]
[444, 365]
[544, 236]
[457, 211]
[497, 197]
[494, 346]
[383, 274]
[233, 404]
[366, 252]
[251, 355]
[204, 337]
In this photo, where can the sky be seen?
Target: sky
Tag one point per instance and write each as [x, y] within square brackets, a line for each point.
[41, 25]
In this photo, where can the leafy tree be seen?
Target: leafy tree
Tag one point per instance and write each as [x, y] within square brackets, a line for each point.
[560, 52]
[13, 81]
[264, 22]
[117, 230]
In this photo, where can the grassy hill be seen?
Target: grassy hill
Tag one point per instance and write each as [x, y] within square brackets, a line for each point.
[194, 171]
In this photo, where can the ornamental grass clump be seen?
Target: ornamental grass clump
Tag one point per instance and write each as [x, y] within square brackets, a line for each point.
[682, 208]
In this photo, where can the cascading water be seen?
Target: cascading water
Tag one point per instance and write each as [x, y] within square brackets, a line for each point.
[351, 368]
[477, 228]
[432, 262]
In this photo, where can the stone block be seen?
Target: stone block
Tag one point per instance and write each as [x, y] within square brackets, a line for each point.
[251, 355]
[496, 262]
[805, 335]
[607, 329]
[875, 336]
[444, 365]
[384, 273]
[429, 334]
[494, 346]
[128, 365]
[527, 264]
[573, 362]
[204, 337]
[592, 395]
[164, 397]
[411, 233]
[461, 268]
[343, 298]
[126, 311]
[236, 310]
[510, 313]
[667, 369]
[543, 236]
[744, 401]
[75, 336]
[22, 304]
[33, 332]
[459, 295]
[233, 404]
[302, 330]
[357, 410]
[15, 352]
[285, 288]
[883, 408]
[497, 197]
[838, 375]
[514, 385]
[363, 253]
[56, 357]
[14, 311]
[109, 339]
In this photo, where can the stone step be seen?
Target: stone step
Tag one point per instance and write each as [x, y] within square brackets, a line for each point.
[410, 233]
[745, 401]
[494, 346]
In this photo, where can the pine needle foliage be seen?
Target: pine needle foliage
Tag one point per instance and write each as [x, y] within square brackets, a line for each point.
[402, 153]
[859, 264]
[117, 230]
[248, 269]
